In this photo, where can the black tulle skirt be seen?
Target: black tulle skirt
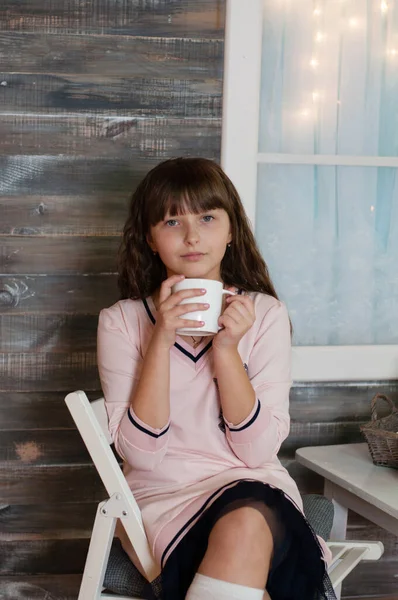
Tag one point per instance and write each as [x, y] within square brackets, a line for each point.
[297, 571]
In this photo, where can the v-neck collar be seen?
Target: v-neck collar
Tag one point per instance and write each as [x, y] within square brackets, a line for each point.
[182, 346]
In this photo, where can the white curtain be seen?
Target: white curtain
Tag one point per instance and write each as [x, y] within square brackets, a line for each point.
[329, 234]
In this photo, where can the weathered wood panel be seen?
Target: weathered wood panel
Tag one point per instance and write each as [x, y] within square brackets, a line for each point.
[66, 520]
[181, 18]
[123, 138]
[48, 333]
[87, 215]
[48, 372]
[36, 410]
[50, 485]
[77, 294]
[334, 402]
[43, 556]
[40, 587]
[58, 255]
[31, 92]
[47, 448]
[124, 56]
[71, 176]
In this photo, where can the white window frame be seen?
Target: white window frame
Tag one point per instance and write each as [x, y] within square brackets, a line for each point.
[240, 159]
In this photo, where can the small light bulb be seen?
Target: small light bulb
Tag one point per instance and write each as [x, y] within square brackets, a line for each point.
[372, 208]
[317, 12]
[314, 63]
[305, 113]
[315, 96]
[319, 36]
[384, 7]
[392, 52]
[353, 23]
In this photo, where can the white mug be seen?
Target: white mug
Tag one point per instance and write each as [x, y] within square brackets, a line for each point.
[214, 295]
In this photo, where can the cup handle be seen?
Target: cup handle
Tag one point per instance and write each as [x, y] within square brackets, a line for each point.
[231, 294]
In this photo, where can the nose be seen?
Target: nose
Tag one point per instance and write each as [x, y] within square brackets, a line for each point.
[191, 235]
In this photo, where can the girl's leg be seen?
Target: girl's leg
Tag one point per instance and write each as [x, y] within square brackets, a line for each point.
[239, 553]
[240, 548]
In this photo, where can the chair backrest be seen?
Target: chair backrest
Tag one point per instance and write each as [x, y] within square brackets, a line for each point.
[92, 423]
[101, 415]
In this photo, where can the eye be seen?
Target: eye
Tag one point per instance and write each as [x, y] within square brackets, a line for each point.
[170, 221]
[208, 217]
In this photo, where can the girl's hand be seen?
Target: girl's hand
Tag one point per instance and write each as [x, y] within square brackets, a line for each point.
[169, 311]
[236, 319]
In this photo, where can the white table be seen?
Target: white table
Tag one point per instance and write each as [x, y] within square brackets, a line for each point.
[353, 482]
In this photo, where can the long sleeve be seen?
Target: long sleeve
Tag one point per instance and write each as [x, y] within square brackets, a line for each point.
[258, 438]
[119, 365]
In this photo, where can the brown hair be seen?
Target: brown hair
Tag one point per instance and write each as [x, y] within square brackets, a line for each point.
[176, 186]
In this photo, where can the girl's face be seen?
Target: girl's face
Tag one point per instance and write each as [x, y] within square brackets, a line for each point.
[192, 245]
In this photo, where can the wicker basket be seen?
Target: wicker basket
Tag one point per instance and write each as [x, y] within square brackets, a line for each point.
[382, 434]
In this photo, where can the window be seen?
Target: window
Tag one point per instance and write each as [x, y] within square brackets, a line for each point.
[310, 139]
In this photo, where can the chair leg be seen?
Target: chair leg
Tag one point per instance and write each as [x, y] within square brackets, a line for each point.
[347, 554]
[97, 557]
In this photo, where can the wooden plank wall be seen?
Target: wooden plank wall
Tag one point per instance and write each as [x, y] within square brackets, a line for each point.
[92, 95]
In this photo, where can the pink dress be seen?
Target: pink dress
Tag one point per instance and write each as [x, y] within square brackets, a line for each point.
[174, 471]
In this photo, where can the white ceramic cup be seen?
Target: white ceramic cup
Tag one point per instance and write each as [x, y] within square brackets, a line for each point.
[214, 296]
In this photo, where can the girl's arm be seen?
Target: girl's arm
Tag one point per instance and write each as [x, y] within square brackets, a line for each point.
[136, 391]
[256, 405]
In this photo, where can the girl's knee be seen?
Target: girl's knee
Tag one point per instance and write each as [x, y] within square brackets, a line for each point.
[245, 530]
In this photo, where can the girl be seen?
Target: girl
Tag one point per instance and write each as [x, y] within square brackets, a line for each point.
[199, 420]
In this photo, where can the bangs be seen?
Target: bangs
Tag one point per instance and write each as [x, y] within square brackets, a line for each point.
[183, 190]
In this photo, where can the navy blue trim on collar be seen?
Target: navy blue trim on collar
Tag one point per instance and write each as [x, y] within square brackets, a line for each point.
[191, 356]
[155, 435]
[178, 346]
[148, 310]
[254, 417]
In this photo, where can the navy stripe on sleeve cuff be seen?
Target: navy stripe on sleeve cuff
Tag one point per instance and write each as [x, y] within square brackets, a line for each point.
[155, 435]
[254, 417]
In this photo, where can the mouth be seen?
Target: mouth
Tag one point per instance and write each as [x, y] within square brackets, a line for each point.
[193, 256]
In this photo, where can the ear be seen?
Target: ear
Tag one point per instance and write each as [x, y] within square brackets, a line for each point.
[150, 242]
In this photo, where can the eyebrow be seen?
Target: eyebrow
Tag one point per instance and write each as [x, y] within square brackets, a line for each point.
[204, 212]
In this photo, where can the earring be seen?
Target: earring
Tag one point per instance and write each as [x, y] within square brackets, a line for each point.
[155, 253]
[229, 245]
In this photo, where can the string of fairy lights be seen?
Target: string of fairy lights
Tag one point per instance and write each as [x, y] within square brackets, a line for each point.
[352, 22]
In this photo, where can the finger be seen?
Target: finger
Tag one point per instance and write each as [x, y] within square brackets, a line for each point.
[242, 301]
[239, 308]
[182, 309]
[188, 323]
[245, 311]
[227, 320]
[176, 298]
[236, 318]
[167, 284]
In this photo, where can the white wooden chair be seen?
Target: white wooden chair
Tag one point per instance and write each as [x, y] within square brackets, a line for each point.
[92, 422]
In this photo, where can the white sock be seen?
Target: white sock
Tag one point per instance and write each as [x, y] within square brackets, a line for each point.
[208, 588]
